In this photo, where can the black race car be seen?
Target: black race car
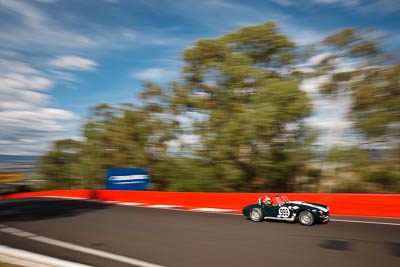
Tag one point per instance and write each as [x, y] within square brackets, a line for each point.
[280, 208]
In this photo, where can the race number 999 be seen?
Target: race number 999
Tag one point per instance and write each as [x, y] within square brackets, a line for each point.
[284, 212]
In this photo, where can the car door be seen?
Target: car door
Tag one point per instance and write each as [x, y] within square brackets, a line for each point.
[271, 211]
[277, 211]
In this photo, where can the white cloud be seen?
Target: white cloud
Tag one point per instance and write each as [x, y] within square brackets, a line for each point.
[317, 59]
[40, 31]
[40, 120]
[343, 2]
[36, 29]
[341, 64]
[74, 63]
[18, 91]
[329, 123]
[63, 76]
[309, 65]
[384, 6]
[330, 114]
[16, 105]
[311, 85]
[127, 37]
[301, 35]
[29, 132]
[15, 66]
[332, 128]
[47, 1]
[9, 54]
[26, 123]
[371, 6]
[284, 2]
[19, 81]
[154, 74]
[38, 115]
[34, 97]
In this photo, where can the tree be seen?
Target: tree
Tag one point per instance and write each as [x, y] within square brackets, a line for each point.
[125, 137]
[60, 167]
[114, 137]
[372, 82]
[249, 108]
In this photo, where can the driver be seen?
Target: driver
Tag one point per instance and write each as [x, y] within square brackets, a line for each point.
[267, 200]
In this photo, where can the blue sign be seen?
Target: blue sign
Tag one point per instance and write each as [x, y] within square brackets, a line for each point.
[127, 179]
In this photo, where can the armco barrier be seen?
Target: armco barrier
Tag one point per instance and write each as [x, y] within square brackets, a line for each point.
[374, 205]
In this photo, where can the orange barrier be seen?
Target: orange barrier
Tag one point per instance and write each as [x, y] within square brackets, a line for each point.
[374, 205]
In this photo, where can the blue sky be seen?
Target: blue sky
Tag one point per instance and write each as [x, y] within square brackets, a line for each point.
[60, 57]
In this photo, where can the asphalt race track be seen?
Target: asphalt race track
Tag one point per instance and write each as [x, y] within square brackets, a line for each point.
[183, 238]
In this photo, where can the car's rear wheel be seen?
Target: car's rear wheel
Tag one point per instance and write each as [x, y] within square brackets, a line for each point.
[306, 218]
[256, 215]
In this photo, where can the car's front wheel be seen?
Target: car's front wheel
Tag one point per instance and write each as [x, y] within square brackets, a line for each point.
[306, 218]
[256, 215]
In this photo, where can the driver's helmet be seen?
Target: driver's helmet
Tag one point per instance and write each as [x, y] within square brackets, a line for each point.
[267, 200]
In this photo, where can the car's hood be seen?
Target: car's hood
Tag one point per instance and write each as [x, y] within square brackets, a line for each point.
[312, 205]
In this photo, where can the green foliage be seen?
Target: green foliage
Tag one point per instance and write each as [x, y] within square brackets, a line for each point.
[373, 82]
[60, 166]
[377, 102]
[385, 178]
[355, 42]
[351, 187]
[233, 81]
[374, 87]
[371, 170]
[114, 137]
[342, 38]
[185, 174]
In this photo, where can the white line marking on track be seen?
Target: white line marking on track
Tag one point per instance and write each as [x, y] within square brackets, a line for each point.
[23, 234]
[351, 221]
[92, 251]
[17, 232]
[130, 203]
[26, 258]
[212, 210]
[10, 230]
